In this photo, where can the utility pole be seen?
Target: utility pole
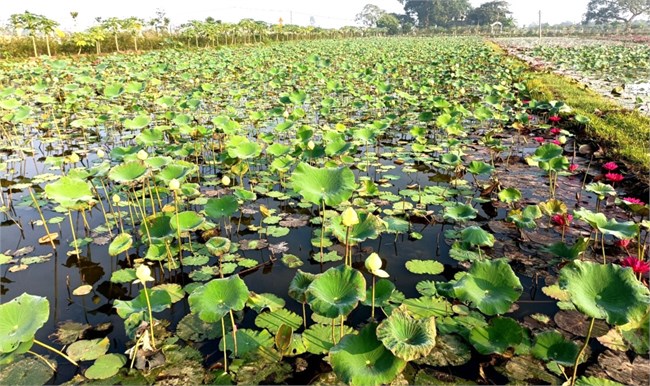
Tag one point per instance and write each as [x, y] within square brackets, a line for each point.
[540, 26]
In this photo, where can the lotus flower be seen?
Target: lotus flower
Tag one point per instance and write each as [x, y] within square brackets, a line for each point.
[573, 167]
[562, 219]
[373, 265]
[350, 217]
[632, 200]
[143, 273]
[614, 177]
[556, 142]
[554, 119]
[539, 139]
[638, 266]
[623, 243]
[174, 184]
[555, 131]
[609, 166]
[101, 153]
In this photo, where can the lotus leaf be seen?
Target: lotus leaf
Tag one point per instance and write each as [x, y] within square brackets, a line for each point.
[551, 346]
[186, 221]
[218, 245]
[620, 230]
[489, 285]
[129, 172]
[20, 318]
[106, 366]
[69, 192]
[213, 300]
[274, 319]
[363, 360]
[510, 195]
[328, 185]
[604, 291]
[121, 243]
[430, 267]
[501, 334]
[460, 212]
[368, 227]
[406, 337]
[299, 285]
[476, 236]
[336, 292]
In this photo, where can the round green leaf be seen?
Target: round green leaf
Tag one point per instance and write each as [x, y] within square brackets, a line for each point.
[489, 285]
[363, 360]
[218, 245]
[551, 346]
[121, 243]
[128, 172]
[510, 195]
[20, 318]
[69, 191]
[106, 366]
[369, 227]
[460, 212]
[406, 337]
[299, 285]
[430, 267]
[213, 300]
[477, 236]
[609, 292]
[336, 292]
[186, 221]
[316, 185]
[501, 334]
[225, 206]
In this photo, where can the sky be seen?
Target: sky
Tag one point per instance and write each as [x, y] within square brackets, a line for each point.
[328, 13]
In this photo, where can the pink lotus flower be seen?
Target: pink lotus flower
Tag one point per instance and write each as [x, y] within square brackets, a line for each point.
[638, 266]
[622, 243]
[557, 142]
[555, 131]
[573, 167]
[562, 219]
[539, 139]
[614, 177]
[632, 200]
[525, 101]
[610, 166]
[554, 119]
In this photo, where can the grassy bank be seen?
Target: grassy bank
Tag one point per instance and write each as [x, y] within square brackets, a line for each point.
[624, 134]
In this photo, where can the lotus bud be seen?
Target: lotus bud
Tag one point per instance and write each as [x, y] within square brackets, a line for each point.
[562, 139]
[116, 198]
[174, 184]
[101, 153]
[350, 217]
[143, 273]
[74, 158]
[142, 155]
[265, 211]
[225, 180]
[373, 262]
[311, 145]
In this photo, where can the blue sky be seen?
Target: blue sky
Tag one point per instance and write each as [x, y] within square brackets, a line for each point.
[330, 13]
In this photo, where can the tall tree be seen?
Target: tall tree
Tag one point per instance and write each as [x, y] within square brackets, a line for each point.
[390, 23]
[31, 22]
[491, 12]
[437, 12]
[369, 15]
[605, 11]
[114, 25]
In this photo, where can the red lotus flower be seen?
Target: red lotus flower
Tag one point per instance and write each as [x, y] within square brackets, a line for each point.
[573, 167]
[562, 219]
[555, 131]
[623, 243]
[554, 119]
[525, 101]
[614, 177]
[610, 166]
[632, 200]
[539, 139]
[557, 142]
[638, 266]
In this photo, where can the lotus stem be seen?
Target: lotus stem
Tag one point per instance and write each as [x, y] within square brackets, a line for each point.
[38, 342]
[225, 353]
[322, 233]
[372, 312]
[333, 338]
[39, 356]
[146, 296]
[137, 343]
[178, 229]
[101, 205]
[74, 235]
[602, 246]
[83, 217]
[304, 316]
[347, 247]
[234, 331]
[582, 350]
[341, 329]
[40, 213]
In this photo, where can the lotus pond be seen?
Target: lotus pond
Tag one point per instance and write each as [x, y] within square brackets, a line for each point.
[373, 211]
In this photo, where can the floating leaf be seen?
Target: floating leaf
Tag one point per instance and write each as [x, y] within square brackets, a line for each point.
[20, 318]
[121, 243]
[225, 206]
[363, 360]
[460, 212]
[28, 371]
[129, 172]
[318, 185]
[406, 337]
[186, 221]
[273, 320]
[87, 350]
[501, 334]
[105, 366]
[604, 291]
[82, 290]
[430, 267]
[336, 292]
[213, 300]
[490, 285]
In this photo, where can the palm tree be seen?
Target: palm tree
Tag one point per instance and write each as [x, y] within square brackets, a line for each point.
[113, 25]
[47, 26]
[97, 34]
[29, 22]
[134, 26]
